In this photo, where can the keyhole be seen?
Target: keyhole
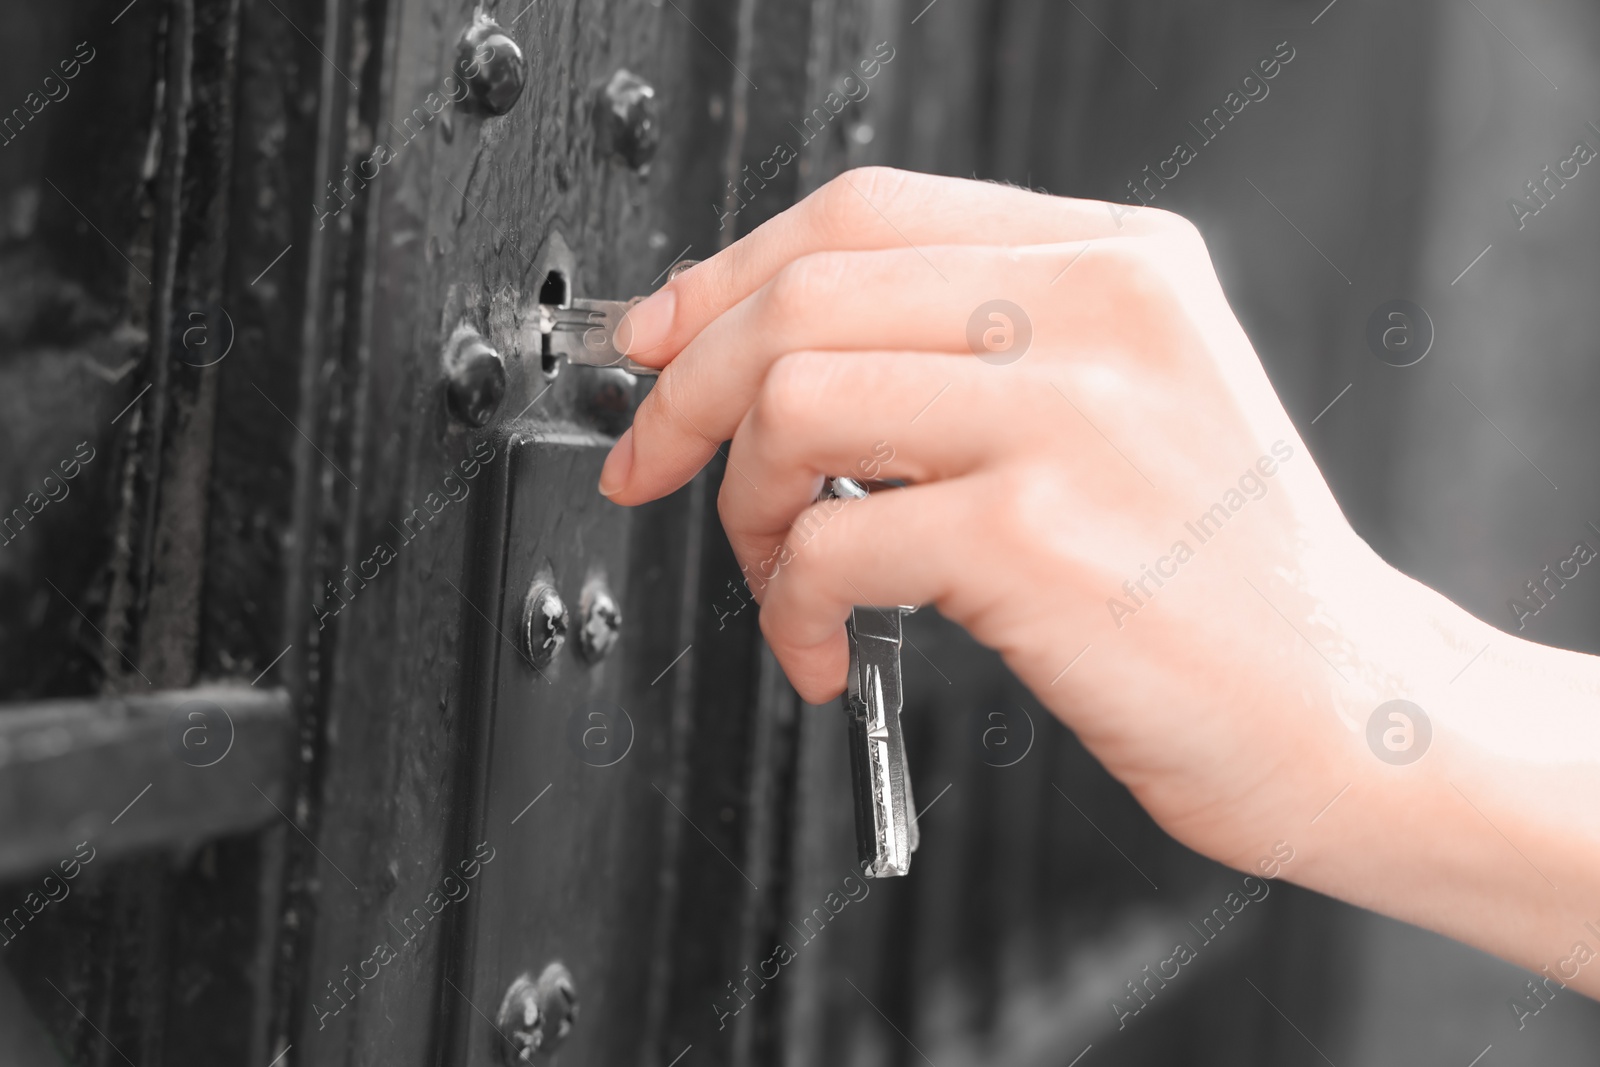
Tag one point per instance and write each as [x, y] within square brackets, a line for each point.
[556, 292]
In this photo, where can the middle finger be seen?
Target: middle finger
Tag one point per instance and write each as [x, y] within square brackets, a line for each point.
[863, 415]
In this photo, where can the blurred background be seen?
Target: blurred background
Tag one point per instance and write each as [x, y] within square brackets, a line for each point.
[248, 361]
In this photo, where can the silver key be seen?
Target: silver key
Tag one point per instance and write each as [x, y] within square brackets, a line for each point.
[584, 331]
[886, 827]
[886, 819]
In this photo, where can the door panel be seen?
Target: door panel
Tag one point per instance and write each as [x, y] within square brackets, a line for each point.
[570, 813]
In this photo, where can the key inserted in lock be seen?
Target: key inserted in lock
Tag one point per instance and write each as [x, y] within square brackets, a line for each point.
[584, 331]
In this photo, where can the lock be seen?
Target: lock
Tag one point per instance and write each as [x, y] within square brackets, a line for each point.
[553, 272]
[536, 1015]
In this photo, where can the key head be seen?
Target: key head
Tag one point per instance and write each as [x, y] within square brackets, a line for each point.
[585, 333]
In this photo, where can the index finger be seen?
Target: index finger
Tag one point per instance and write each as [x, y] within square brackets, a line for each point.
[864, 210]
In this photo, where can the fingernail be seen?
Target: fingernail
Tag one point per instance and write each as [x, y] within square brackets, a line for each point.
[614, 475]
[647, 324]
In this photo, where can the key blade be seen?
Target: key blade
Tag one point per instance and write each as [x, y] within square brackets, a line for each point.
[886, 832]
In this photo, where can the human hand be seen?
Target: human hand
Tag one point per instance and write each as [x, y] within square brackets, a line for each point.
[1122, 509]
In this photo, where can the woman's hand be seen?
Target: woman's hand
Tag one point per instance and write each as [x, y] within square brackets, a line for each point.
[1102, 485]
[1119, 506]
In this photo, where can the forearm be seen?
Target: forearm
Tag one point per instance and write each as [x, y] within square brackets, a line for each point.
[1112, 497]
[1492, 836]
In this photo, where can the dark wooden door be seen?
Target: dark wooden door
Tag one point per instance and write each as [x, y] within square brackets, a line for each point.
[246, 245]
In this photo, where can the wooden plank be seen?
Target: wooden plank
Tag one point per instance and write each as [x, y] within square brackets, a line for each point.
[132, 773]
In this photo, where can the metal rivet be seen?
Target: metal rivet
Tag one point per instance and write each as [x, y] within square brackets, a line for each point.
[602, 621]
[625, 119]
[476, 377]
[537, 1015]
[520, 1021]
[492, 66]
[544, 622]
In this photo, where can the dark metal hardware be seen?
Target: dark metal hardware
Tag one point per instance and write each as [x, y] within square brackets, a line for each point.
[544, 623]
[492, 65]
[602, 621]
[475, 376]
[536, 1015]
[626, 123]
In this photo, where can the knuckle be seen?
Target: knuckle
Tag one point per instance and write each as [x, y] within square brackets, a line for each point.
[1184, 235]
[1172, 222]
[835, 207]
[843, 205]
[1130, 276]
[878, 181]
[1025, 506]
[789, 398]
[796, 289]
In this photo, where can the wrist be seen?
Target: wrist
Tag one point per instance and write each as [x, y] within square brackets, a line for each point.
[1472, 809]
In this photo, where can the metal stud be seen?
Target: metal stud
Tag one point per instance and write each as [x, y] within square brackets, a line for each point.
[536, 1015]
[626, 123]
[492, 66]
[544, 623]
[602, 621]
[475, 376]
